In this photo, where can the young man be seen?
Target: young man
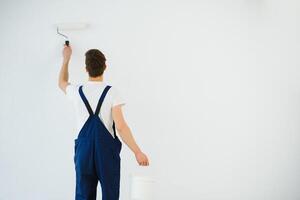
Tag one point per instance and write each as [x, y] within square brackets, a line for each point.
[99, 112]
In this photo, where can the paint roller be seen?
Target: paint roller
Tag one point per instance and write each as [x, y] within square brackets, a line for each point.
[69, 27]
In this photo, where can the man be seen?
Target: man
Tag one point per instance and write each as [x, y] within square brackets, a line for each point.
[99, 112]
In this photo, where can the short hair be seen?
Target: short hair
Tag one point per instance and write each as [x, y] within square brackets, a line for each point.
[95, 62]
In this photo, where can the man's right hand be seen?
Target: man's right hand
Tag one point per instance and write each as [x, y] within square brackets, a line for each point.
[67, 52]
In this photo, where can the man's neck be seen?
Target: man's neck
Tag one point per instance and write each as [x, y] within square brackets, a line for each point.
[100, 78]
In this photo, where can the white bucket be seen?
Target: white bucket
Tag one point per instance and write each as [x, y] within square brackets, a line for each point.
[142, 188]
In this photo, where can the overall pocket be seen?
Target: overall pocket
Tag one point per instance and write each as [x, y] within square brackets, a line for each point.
[83, 155]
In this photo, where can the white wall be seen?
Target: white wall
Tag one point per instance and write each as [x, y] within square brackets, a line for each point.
[213, 95]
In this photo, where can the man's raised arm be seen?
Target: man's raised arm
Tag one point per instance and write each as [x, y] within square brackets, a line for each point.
[64, 71]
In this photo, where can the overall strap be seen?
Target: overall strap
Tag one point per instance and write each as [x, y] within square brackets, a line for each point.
[101, 99]
[114, 129]
[87, 105]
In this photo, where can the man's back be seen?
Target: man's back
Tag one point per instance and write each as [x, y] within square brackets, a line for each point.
[92, 91]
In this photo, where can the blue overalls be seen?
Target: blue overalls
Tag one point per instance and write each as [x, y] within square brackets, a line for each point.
[96, 156]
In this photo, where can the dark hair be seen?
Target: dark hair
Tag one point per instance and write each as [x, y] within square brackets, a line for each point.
[95, 62]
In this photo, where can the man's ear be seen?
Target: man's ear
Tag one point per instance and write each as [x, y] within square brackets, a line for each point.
[86, 69]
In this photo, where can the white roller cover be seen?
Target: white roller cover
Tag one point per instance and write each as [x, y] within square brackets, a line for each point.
[71, 26]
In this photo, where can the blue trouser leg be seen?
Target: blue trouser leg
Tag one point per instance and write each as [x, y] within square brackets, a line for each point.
[110, 189]
[86, 178]
[86, 187]
[108, 169]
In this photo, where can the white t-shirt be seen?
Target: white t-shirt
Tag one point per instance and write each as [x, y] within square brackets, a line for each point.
[92, 91]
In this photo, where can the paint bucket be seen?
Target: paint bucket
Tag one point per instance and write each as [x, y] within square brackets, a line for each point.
[142, 187]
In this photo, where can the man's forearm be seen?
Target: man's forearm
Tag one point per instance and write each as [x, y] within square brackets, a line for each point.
[64, 72]
[126, 136]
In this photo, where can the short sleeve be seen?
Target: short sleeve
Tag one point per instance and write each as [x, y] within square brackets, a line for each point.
[117, 97]
[71, 91]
